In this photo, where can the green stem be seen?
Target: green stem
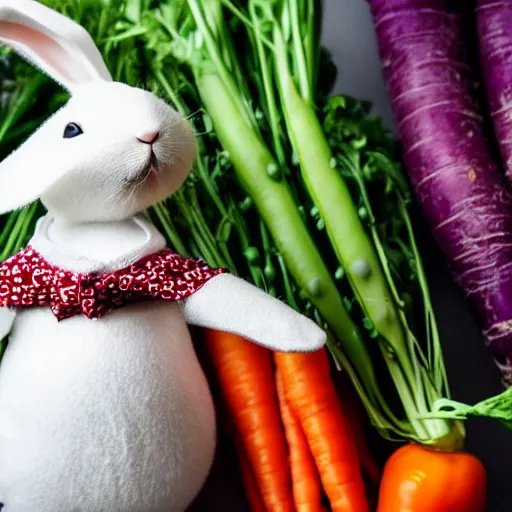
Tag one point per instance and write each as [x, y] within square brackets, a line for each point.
[199, 165]
[309, 42]
[437, 362]
[290, 297]
[166, 86]
[206, 234]
[245, 20]
[11, 221]
[269, 269]
[21, 104]
[19, 230]
[242, 231]
[252, 162]
[408, 400]
[210, 188]
[268, 92]
[24, 233]
[427, 387]
[196, 231]
[353, 247]
[216, 58]
[300, 57]
[169, 229]
[8, 250]
[355, 170]
[378, 411]
[334, 202]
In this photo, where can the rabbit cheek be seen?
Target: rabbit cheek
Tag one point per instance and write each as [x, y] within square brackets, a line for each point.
[80, 198]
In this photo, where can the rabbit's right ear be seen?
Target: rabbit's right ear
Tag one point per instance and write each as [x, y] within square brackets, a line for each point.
[53, 42]
[24, 177]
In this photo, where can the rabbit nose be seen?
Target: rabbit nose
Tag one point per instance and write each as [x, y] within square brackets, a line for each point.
[149, 137]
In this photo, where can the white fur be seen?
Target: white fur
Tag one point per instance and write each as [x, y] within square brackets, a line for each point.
[96, 247]
[56, 44]
[7, 317]
[228, 303]
[225, 303]
[117, 411]
[112, 415]
[87, 178]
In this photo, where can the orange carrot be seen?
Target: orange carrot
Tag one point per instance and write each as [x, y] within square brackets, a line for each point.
[358, 421]
[252, 492]
[421, 479]
[246, 377]
[312, 396]
[306, 486]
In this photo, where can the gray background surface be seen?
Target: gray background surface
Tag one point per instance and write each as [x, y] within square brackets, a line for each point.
[348, 33]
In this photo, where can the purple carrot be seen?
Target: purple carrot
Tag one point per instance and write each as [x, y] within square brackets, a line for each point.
[494, 21]
[459, 186]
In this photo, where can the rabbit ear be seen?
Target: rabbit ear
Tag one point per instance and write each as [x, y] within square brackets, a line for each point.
[24, 177]
[56, 44]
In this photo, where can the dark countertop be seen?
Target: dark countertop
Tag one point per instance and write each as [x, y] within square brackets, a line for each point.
[348, 33]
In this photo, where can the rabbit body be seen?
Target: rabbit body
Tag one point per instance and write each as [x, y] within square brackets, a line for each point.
[113, 415]
[108, 415]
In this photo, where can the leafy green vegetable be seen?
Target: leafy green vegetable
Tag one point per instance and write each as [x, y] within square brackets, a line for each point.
[298, 192]
[496, 407]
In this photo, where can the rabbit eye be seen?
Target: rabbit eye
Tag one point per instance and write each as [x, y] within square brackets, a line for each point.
[72, 130]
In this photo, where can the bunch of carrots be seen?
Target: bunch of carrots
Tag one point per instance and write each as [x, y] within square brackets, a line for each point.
[296, 442]
[302, 449]
[302, 194]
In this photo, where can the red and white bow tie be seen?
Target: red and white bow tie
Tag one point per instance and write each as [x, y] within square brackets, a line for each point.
[27, 280]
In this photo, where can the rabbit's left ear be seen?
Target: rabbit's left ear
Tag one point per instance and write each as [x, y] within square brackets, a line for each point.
[54, 43]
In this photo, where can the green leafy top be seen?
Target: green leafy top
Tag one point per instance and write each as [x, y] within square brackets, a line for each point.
[167, 47]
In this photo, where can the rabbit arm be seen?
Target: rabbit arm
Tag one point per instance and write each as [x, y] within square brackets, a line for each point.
[7, 317]
[228, 303]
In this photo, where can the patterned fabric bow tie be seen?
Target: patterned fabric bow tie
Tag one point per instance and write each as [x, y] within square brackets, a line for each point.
[27, 279]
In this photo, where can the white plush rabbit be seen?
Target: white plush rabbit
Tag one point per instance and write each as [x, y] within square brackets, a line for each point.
[114, 414]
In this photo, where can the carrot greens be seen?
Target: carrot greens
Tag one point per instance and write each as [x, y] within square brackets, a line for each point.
[300, 192]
